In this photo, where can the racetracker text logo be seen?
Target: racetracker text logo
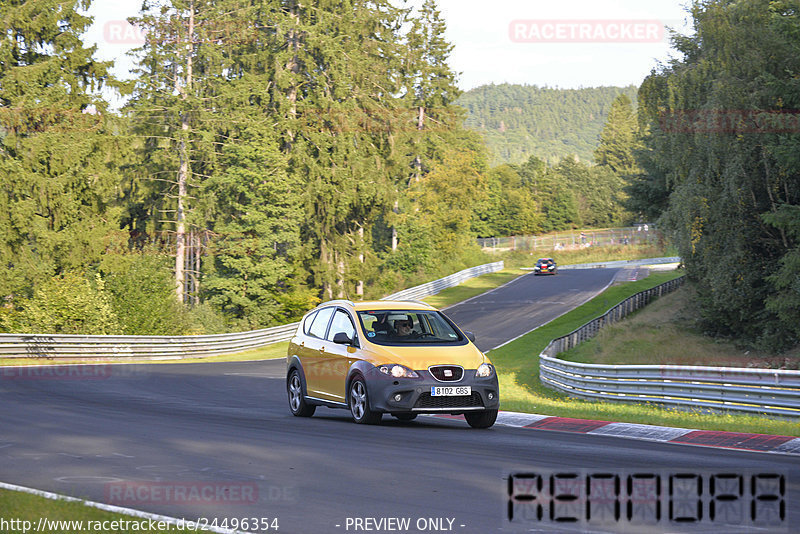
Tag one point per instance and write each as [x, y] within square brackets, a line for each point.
[56, 372]
[587, 31]
[140, 493]
[123, 32]
[730, 121]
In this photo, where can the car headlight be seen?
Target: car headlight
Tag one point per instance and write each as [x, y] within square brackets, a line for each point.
[485, 370]
[397, 371]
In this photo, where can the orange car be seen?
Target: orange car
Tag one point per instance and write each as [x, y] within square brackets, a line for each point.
[397, 357]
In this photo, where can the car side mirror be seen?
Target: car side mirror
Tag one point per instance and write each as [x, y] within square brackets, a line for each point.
[342, 339]
[470, 336]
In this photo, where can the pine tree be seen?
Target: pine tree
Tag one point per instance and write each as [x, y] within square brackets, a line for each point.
[168, 113]
[57, 147]
[430, 83]
[434, 124]
[335, 78]
[722, 164]
[619, 138]
[202, 109]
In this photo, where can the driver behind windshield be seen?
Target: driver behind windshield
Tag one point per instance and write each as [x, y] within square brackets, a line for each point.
[404, 328]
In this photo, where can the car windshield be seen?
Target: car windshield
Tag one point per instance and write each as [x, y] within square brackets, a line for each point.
[401, 327]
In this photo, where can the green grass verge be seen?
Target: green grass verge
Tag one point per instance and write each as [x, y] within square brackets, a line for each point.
[667, 333]
[518, 369]
[22, 507]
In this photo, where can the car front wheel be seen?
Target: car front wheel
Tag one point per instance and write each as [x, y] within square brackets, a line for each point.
[297, 401]
[359, 404]
[483, 419]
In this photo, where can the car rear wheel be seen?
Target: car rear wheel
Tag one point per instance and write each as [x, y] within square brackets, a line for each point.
[483, 419]
[297, 400]
[359, 404]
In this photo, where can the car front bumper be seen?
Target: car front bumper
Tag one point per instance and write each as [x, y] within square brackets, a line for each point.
[415, 394]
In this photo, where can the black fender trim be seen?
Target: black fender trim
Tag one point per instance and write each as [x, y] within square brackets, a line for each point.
[362, 368]
[294, 363]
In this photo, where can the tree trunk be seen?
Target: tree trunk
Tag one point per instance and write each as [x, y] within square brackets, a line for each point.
[293, 42]
[183, 171]
[396, 210]
[340, 292]
[360, 284]
[327, 289]
[417, 159]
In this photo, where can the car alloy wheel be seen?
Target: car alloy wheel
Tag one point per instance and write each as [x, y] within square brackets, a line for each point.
[297, 401]
[359, 404]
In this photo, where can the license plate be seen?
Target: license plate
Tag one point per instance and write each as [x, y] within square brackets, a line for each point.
[448, 391]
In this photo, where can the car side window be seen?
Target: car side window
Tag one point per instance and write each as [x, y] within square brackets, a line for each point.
[308, 321]
[320, 324]
[342, 323]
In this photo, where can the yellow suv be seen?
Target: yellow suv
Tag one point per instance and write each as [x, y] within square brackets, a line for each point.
[398, 357]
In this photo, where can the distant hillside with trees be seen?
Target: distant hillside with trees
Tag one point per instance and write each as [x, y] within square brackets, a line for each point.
[520, 121]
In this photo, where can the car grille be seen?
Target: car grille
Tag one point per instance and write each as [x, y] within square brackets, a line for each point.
[426, 400]
[440, 373]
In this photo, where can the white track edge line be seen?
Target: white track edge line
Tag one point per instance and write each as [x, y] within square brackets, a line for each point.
[114, 509]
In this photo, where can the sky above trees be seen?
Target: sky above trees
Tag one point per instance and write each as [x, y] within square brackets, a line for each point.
[485, 49]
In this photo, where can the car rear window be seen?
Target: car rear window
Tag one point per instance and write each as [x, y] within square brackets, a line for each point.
[385, 327]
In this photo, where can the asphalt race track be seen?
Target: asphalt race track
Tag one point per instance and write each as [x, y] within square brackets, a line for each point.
[108, 432]
[527, 303]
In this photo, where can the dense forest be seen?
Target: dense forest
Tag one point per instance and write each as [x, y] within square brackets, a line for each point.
[271, 154]
[520, 121]
[720, 165]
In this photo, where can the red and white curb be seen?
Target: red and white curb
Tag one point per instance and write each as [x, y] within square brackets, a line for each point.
[684, 436]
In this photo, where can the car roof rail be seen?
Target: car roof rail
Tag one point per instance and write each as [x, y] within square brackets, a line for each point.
[415, 301]
[336, 301]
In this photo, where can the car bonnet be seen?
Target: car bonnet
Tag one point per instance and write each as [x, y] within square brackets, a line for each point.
[421, 357]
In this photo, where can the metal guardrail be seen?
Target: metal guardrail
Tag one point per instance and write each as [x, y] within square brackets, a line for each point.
[432, 288]
[139, 347]
[621, 263]
[775, 392]
[174, 347]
